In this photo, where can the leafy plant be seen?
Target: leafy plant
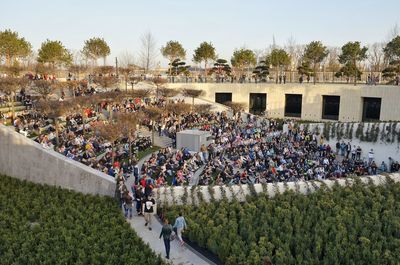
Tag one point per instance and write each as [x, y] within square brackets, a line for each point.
[344, 225]
[40, 224]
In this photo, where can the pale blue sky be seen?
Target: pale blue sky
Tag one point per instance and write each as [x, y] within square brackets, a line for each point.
[228, 24]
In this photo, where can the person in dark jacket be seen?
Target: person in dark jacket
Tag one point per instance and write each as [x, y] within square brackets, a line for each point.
[166, 232]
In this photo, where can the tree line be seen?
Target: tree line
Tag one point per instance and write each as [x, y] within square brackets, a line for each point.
[307, 60]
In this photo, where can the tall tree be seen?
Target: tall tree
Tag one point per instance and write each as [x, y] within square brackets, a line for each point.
[392, 53]
[54, 53]
[352, 53]
[205, 53]
[279, 59]
[96, 48]
[148, 53]
[376, 57]
[173, 50]
[314, 53]
[13, 46]
[242, 59]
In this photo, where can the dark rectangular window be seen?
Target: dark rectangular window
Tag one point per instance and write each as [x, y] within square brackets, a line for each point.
[258, 103]
[371, 109]
[222, 98]
[330, 107]
[293, 105]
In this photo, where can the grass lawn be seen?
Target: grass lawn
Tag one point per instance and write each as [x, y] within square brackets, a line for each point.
[148, 151]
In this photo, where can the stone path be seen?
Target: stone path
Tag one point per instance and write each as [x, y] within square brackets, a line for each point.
[196, 176]
[179, 255]
[161, 141]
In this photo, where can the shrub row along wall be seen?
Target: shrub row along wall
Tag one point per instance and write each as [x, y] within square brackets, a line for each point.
[195, 194]
[382, 137]
[23, 158]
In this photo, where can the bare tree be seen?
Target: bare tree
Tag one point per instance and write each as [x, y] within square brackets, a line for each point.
[10, 86]
[54, 110]
[393, 32]
[203, 108]
[192, 93]
[235, 106]
[127, 66]
[154, 115]
[128, 122]
[167, 92]
[110, 132]
[376, 57]
[44, 88]
[179, 108]
[332, 63]
[148, 52]
[291, 49]
[159, 83]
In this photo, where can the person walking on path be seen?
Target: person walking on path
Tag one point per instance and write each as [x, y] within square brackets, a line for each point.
[166, 233]
[180, 225]
[128, 205]
[149, 204]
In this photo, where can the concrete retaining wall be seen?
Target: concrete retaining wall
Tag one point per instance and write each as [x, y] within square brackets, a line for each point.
[25, 159]
[193, 195]
[382, 149]
[351, 97]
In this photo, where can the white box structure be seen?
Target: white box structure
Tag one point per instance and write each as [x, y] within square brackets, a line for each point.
[193, 139]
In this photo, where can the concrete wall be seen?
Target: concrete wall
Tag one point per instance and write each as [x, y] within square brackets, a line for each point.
[351, 97]
[25, 159]
[183, 195]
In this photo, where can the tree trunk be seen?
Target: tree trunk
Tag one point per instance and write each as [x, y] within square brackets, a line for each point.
[83, 123]
[152, 133]
[126, 83]
[12, 108]
[205, 71]
[110, 112]
[315, 73]
[57, 131]
[355, 73]
[112, 154]
[130, 148]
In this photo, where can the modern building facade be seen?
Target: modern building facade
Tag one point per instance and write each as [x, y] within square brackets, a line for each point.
[321, 102]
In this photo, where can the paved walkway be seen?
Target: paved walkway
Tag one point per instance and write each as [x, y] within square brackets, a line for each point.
[179, 255]
[161, 141]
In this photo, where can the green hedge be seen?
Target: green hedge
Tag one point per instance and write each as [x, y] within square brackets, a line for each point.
[40, 224]
[357, 225]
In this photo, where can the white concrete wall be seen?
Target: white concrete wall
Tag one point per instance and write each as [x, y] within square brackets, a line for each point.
[350, 97]
[25, 159]
[382, 149]
[176, 195]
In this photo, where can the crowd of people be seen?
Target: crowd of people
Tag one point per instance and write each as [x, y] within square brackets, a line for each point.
[244, 150]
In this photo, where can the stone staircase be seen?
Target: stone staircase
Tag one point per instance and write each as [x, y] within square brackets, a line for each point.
[6, 107]
[161, 141]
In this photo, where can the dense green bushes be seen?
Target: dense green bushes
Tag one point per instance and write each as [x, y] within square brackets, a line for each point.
[46, 225]
[357, 225]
